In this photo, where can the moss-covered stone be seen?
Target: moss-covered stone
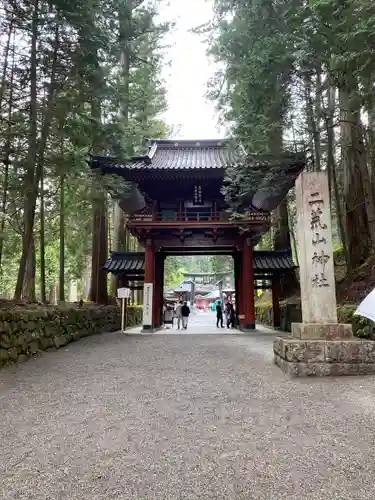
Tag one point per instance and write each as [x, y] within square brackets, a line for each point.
[33, 347]
[4, 356]
[24, 331]
[13, 353]
[291, 313]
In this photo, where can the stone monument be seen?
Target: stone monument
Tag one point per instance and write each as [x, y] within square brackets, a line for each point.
[319, 345]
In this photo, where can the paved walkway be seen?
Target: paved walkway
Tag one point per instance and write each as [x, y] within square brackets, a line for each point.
[200, 323]
[175, 417]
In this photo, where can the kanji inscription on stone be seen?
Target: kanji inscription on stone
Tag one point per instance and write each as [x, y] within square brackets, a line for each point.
[318, 228]
[317, 239]
[320, 258]
[316, 224]
[319, 280]
[318, 298]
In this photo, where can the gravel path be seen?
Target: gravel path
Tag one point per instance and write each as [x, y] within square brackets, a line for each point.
[181, 417]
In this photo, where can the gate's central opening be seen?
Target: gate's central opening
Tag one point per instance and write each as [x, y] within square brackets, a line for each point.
[205, 283]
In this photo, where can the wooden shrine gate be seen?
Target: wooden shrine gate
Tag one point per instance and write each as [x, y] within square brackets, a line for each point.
[269, 268]
[175, 206]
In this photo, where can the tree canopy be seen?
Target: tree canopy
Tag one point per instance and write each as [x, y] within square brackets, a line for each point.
[297, 76]
[75, 79]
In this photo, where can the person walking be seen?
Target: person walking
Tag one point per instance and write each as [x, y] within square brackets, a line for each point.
[179, 314]
[185, 312]
[226, 319]
[229, 315]
[219, 315]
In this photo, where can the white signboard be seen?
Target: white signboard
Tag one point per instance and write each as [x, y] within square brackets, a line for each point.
[123, 293]
[168, 316]
[147, 304]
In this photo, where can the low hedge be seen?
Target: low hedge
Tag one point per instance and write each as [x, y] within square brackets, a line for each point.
[26, 330]
[291, 313]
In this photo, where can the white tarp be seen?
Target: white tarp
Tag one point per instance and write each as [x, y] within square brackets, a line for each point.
[367, 307]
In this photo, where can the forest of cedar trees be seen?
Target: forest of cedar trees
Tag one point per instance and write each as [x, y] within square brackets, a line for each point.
[81, 78]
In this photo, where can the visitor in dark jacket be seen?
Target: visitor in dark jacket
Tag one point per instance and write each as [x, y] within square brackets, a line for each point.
[230, 315]
[219, 315]
[185, 312]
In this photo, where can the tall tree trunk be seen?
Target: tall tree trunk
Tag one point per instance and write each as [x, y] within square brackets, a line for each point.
[318, 116]
[62, 240]
[7, 151]
[281, 235]
[52, 297]
[36, 148]
[313, 112]
[3, 85]
[28, 288]
[333, 175]
[312, 125]
[371, 132]
[43, 296]
[87, 278]
[29, 181]
[281, 240]
[119, 241]
[359, 229]
[98, 288]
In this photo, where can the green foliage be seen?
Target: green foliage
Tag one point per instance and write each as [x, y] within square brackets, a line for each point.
[89, 95]
[252, 44]
[173, 272]
[221, 263]
[176, 266]
[264, 46]
[300, 76]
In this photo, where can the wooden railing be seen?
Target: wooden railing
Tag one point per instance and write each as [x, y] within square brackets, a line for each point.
[199, 216]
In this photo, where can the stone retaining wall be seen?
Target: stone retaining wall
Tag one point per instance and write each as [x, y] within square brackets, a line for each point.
[26, 330]
[290, 313]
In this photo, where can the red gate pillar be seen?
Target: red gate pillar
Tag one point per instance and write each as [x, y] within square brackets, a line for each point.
[237, 281]
[248, 286]
[156, 299]
[242, 286]
[161, 315]
[276, 302]
[148, 289]
[158, 289]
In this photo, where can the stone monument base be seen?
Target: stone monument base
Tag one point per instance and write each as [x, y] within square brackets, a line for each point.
[333, 351]
[318, 331]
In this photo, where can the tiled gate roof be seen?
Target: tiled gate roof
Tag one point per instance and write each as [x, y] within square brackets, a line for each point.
[132, 263]
[185, 155]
